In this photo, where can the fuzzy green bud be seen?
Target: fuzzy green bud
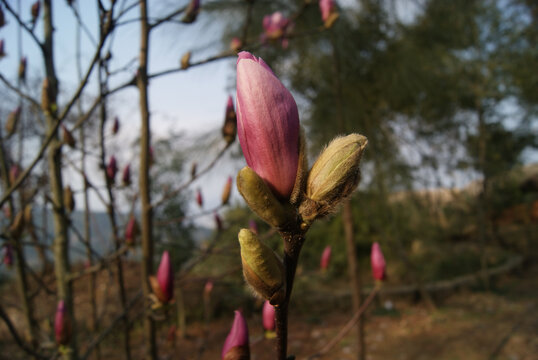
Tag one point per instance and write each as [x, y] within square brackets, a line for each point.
[333, 177]
[262, 269]
[262, 200]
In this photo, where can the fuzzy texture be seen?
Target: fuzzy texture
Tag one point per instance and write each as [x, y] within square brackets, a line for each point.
[268, 316]
[377, 261]
[267, 124]
[62, 325]
[325, 258]
[237, 338]
[262, 269]
[165, 277]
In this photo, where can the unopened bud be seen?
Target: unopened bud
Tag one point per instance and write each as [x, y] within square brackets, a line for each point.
[262, 269]
[112, 169]
[185, 60]
[377, 261]
[163, 284]
[28, 214]
[229, 129]
[12, 121]
[115, 126]
[2, 50]
[8, 255]
[126, 175]
[192, 12]
[67, 137]
[62, 324]
[69, 199]
[325, 258]
[261, 199]
[14, 173]
[131, 231]
[199, 198]
[268, 319]
[45, 95]
[236, 44]
[333, 177]
[227, 191]
[35, 10]
[22, 69]
[236, 345]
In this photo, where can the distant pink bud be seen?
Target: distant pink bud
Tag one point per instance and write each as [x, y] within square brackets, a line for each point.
[378, 262]
[112, 169]
[268, 316]
[14, 173]
[131, 231]
[325, 258]
[218, 222]
[275, 25]
[36, 7]
[253, 226]
[236, 346]
[199, 198]
[115, 126]
[2, 51]
[268, 124]
[236, 44]
[326, 7]
[165, 277]
[8, 255]
[62, 324]
[126, 175]
[208, 288]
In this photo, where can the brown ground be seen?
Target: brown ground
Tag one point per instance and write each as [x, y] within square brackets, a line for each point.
[501, 324]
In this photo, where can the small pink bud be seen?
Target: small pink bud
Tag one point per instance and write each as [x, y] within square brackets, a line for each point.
[112, 169]
[275, 25]
[378, 262]
[199, 198]
[2, 51]
[253, 226]
[8, 255]
[165, 277]
[115, 126]
[62, 324]
[229, 129]
[36, 7]
[218, 222]
[236, 346]
[131, 231]
[191, 13]
[208, 288]
[326, 7]
[268, 316]
[325, 258]
[14, 173]
[126, 175]
[236, 44]
[268, 124]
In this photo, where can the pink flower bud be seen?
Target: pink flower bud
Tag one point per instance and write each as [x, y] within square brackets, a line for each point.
[8, 255]
[199, 198]
[36, 7]
[2, 51]
[236, 346]
[14, 173]
[115, 126]
[236, 44]
[326, 7]
[218, 222]
[208, 287]
[275, 25]
[131, 231]
[112, 169]
[165, 277]
[268, 124]
[253, 226]
[378, 262]
[229, 129]
[62, 324]
[268, 316]
[126, 175]
[325, 258]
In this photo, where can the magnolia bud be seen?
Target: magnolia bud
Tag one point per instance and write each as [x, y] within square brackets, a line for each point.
[14, 173]
[208, 288]
[333, 177]
[68, 137]
[46, 93]
[236, 44]
[227, 190]
[236, 346]
[12, 121]
[36, 7]
[62, 324]
[229, 129]
[268, 316]
[329, 14]
[377, 261]
[112, 169]
[192, 12]
[262, 269]
[261, 199]
[275, 25]
[115, 126]
[325, 258]
[2, 50]
[8, 255]
[69, 199]
[131, 231]
[185, 60]
[126, 175]
[199, 198]
[163, 284]
[22, 69]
